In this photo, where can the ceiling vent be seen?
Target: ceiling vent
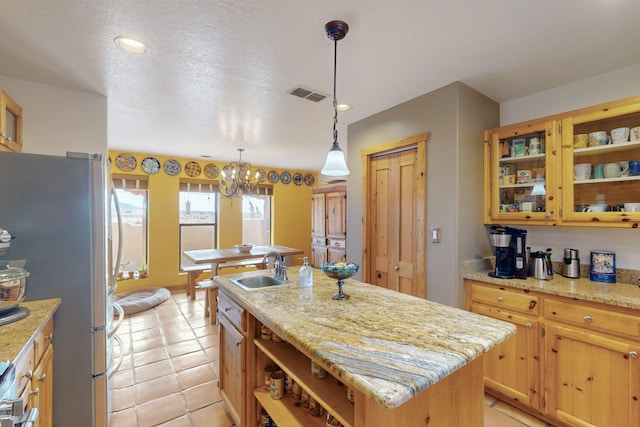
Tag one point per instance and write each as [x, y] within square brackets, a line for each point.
[307, 94]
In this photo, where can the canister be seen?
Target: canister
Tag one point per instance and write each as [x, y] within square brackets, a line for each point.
[523, 176]
[603, 266]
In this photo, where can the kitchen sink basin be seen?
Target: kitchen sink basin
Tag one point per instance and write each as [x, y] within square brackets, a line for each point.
[259, 282]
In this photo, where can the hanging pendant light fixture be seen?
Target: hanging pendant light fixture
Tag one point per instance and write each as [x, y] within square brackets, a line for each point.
[238, 180]
[336, 164]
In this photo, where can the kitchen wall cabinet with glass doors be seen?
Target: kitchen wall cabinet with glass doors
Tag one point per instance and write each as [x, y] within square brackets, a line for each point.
[520, 174]
[608, 195]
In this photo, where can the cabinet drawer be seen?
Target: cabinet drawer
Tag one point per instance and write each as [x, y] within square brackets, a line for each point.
[596, 319]
[43, 340]
[337, 243]
[24, 368]
[232, 311]
[319, 241]
[510, 299]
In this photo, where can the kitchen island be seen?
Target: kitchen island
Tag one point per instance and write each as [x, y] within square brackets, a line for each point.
[408, 361]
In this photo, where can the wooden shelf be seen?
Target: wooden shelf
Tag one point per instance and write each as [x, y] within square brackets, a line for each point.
[609, 148]
[327, 391]
[284, 412]
[600, 180]
[520, 159]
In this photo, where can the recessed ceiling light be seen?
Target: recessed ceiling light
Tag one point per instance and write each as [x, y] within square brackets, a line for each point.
[343, 107]
[131, 45]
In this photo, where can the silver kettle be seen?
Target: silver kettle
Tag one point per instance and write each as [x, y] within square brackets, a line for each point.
[540, 266]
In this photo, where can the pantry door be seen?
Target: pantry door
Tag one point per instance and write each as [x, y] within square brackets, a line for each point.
[394, 212]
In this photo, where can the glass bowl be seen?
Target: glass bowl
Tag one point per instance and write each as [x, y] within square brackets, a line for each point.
[340, 271]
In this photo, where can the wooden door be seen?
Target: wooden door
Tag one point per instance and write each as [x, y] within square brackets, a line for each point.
[336, 213]
[591, 380]
[394, 225]
[318, 215]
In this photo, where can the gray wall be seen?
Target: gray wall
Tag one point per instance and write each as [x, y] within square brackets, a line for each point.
[455, 116]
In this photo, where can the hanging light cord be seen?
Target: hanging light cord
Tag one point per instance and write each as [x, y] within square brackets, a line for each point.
[335, 102]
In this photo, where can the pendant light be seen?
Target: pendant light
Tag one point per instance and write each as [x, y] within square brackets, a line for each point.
[336, 164]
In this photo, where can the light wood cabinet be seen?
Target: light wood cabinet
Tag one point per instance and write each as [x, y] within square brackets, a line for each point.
[328, 224]
[10, 124]
[511, 369]
[579, 359]
[568, 199]
[232, 371]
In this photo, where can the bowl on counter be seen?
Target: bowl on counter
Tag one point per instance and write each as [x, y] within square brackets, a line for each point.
[13, 282]
[244, 247]
[339, 271]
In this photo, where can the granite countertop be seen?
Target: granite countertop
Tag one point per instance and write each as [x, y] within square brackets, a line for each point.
[16, 335]
[618, 294]
[388, 345]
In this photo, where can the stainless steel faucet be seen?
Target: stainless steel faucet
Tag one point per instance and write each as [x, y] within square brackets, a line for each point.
[280, 268]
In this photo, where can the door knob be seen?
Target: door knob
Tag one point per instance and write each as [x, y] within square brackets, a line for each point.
[396, 268]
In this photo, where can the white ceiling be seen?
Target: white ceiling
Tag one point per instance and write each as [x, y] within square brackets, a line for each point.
[218, 73]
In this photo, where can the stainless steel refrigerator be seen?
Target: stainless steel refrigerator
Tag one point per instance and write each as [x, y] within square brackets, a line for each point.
[57, 209]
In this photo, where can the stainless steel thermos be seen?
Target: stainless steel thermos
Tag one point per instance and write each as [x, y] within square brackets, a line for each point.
[571, 264]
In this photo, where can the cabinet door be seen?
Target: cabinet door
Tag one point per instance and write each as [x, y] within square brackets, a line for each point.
[232, 368]
[520, 174]
[336, 255]
[512, 368]
[318, 215]
[318, 255]
[42, 389]
[336, 212]
[591, 380]
[598, 197]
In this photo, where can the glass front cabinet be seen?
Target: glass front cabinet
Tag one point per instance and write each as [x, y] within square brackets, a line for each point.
[520, 174]
[580, 168]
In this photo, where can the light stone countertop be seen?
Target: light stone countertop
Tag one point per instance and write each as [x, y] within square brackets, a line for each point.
[618, 294]
[386, 344]
[15, 336]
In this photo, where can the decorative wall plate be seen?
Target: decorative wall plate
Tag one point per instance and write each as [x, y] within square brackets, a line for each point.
[192, 169]
[285, 177]
[297, 178]
[211, 171]
[126, 162]
[260, 175]
[273, 177]
[309, 179]
[150, 165]
[172, 167]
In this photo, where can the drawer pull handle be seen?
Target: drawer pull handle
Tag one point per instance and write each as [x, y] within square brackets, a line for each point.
[396, 268]
[238, 341]
[499, 299]
[528, 325]
[28, 374]
[633, 353]
[48, 337]
[227, 309]
[43, 378]
[36, 391]
[587, 318]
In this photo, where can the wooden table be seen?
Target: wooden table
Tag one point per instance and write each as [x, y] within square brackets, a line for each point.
[228, 257]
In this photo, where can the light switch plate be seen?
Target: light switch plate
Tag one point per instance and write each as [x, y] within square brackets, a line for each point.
[435, 234]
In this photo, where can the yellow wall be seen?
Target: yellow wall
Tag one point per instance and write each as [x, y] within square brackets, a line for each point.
[291, 220]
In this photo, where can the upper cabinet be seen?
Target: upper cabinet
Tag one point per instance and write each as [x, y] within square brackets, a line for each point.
[329, 224]
[10, 124]
[585, 173]
[520, 174]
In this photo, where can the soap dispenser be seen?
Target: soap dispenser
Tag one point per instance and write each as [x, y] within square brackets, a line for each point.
[306, 273]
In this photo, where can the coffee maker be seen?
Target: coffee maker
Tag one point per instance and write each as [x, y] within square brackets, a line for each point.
[510, 249]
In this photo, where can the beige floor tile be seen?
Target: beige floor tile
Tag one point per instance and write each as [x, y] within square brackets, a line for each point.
[525, 418]
[205, 331]
[149, 356]
[126, 418]
[198, 375]
[183, 421]
[153, 370]
[123, 378]
[190, 360]
[493, 418]
[185, 347]
[209, 341]
[124, 398]
[146, 334]
[148, 344]
[156, 388]
[211, 416]
[202, 395]
[161, 410]
[179, 337]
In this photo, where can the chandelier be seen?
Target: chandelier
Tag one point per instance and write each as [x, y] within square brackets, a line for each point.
[335, 164]
[237, 179]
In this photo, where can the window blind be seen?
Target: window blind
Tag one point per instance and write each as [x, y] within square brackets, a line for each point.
[130, 182]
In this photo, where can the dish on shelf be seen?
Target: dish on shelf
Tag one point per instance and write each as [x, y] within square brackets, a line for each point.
[150, 165]
[285, 177]
[211, 171]
[297, 178]
[192, 169]
[273, 177]
[126, 162]
[172, 167]
[309, 179]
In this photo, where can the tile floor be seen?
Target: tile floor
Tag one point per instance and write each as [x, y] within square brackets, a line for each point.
[168, 376]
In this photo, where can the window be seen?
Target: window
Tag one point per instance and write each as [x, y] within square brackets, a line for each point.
[256, 219]
[198, 206]
[132, 196]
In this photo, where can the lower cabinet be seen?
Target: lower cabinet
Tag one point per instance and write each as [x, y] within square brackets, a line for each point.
[232, 357]
[572, 362]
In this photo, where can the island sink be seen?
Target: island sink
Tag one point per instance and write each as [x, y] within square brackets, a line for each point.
[259, 282]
